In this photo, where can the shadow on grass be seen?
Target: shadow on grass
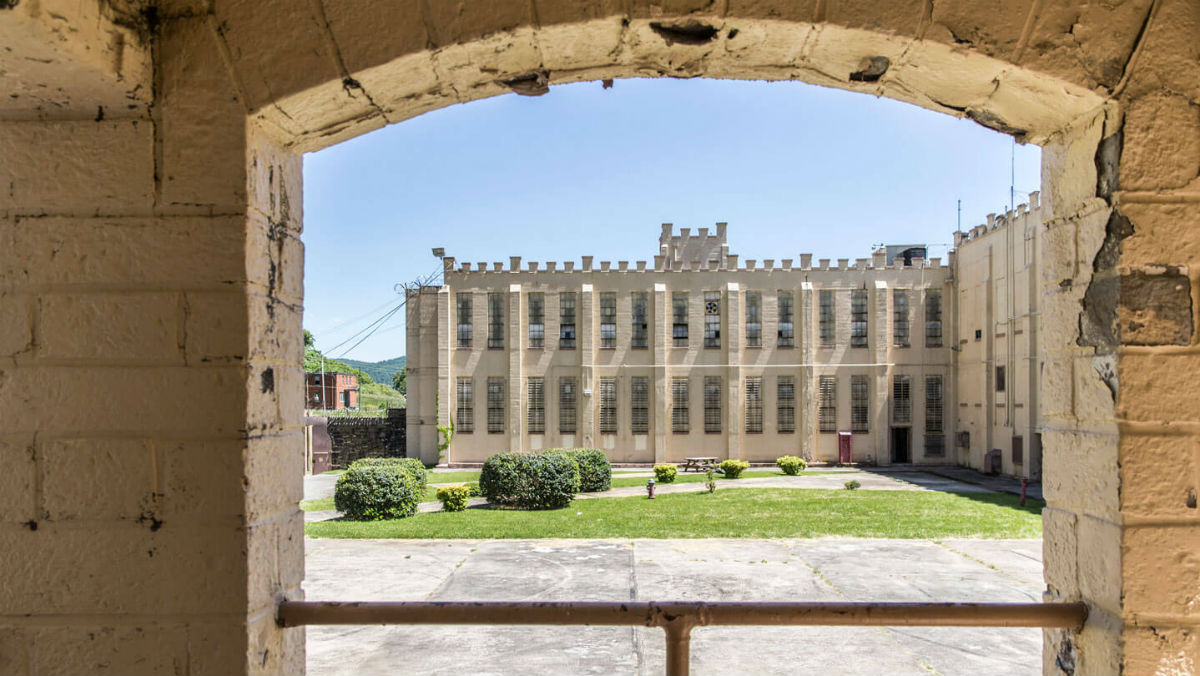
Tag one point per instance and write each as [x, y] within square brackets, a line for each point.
[941, 484]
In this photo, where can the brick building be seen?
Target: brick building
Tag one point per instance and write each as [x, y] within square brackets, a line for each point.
[332, 391]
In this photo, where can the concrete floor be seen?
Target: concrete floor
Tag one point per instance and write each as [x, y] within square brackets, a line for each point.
[828, 569]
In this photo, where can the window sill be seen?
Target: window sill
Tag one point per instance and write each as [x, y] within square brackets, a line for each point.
[464, 347]
[754, 347]
[785, 347]
[608, 347]
[535, 347]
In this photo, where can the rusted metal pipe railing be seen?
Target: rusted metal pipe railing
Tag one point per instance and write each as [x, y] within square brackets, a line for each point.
[679, 618]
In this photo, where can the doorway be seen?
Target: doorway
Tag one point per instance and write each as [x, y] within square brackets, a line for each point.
[901, 437]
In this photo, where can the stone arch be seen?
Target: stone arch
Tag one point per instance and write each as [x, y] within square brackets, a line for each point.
[182, 205]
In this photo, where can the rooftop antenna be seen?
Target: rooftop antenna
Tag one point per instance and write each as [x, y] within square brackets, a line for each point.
[959, 216]
[1012, 179]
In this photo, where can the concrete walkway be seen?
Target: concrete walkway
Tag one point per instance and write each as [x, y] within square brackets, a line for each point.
[827, 569]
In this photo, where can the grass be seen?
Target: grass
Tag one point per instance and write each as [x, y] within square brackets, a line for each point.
[453, 477]
[742, 513]
[700, 478]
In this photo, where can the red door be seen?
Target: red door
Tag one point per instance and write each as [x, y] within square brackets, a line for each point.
[844, 454]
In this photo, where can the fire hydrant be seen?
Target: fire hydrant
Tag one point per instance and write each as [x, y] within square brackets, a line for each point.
[650, 489]
[1024, 487]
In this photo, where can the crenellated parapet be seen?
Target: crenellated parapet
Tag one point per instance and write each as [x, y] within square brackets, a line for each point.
[1000, 221]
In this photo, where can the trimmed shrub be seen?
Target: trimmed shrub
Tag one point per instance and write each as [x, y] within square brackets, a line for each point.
[595, 471]
[733, 468]
[791, 465]
[530, 480]
[414, 467]
[852, 485]
[665, 474]
[454, 498]
[375, 491]
[473, 487]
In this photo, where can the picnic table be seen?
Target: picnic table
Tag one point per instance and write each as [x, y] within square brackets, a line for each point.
[699, 464]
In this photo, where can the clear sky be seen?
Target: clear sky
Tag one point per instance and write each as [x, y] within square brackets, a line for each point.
[585, 170]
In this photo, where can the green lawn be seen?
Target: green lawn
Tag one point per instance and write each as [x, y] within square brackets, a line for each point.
[699, 478]
[745, 512]
[453, 477]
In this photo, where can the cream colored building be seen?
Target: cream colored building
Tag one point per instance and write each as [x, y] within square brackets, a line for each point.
[997, 358]
[691, 354]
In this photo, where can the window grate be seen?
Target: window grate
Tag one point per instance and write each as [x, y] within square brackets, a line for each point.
[827, 319]
[860, 404]
[754, 410]
[827, 404]
[933, 318]
[1001, 380]
[608, 405]
[935, 431]
[787, 327]
[640, 326]
[495, 321]
[680, 418]
[712, 319]
[639, 405]
[495, 395]
[901, 400]
[858, 318]
[900, 318]
[785, 404]
[679, 326]
[753, 319]
[712, 404]
[537, 406]
[537, 320]
[566, 406]
[464, 416]
[466, 328]
[608, 319]
[566, 321]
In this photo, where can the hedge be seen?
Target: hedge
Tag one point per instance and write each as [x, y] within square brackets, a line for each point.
[454, 498]
[595, 471]
[791, 465]
[733, 468]
[374, 491]
[665, 474]
[414, 467]
[530, 480]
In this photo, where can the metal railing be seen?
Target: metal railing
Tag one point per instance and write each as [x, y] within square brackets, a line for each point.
[679, 618]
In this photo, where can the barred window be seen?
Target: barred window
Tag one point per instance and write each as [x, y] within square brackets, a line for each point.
[712, 404]
[712, 319]
[608, 405]
[680, 418]
[466, 328]
[785, 404]
[640, 326]
[827, 404]
[495, 394]
[900, 317]
[933, 318]
[537, 320]
[1001, 380]
[639, 404]
[901, 400]
[537, 406]
[827, 319]
[679, 325]
[860, 404]
[464, 417]
[753, 319]
[608, 319]
[787, 327]
[495, 321]
[858, 318]
[566, 406]
[754, 411]
[566, 321]
[935, 431]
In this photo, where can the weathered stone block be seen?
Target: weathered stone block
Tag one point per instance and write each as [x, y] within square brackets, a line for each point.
[1158, 475]
[1060, 551]
[14, 651]
[1085, 44]
[202, 479]
[1069, 175]
[1162, 234]
[1156, 307]
[993, 30]
[1161, 650]
[217, 647]
[355, 27]
[1158, 387]
[1162, 143]
[216, 327]
[141, 327]
[16, 482]
[1161, 565]
[98, 479]
[274, 475]
[1169, 57]
[16, 331]
[150, 648]
[1100, 563]
[1080, 472]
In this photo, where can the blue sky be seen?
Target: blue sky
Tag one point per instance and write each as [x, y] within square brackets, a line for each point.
[585, 170]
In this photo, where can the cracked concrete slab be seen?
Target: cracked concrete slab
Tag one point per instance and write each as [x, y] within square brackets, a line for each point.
[827, 569]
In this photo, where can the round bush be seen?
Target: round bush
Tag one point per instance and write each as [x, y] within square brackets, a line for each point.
[454, 498]
[733, 468]
[595, 471]
[376, 491]
[415, 468]
[665, 474]
[791, 465]
[853, 485]
[473, 487]
[530, 480]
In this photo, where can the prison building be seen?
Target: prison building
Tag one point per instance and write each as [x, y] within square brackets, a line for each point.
[692, 354]
[998, 364]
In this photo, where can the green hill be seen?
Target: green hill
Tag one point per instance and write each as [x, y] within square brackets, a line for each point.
[380, 371]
